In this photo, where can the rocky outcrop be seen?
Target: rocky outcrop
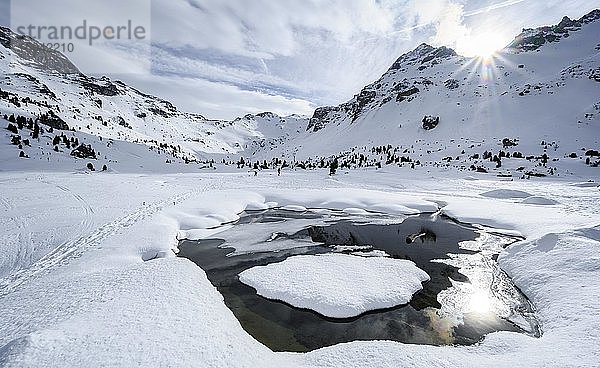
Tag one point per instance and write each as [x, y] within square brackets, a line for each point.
[451, 84]
[423, 56]
[266, 115]
[101, 86]
[36, 54]
[328, 114]
[430, 122]
[533, 39]
[119, 120]
[595, 74]
[408, 94]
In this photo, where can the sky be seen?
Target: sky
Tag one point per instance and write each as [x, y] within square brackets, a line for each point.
[227, 58]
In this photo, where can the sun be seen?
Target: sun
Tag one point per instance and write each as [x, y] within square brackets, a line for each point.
[482, 45]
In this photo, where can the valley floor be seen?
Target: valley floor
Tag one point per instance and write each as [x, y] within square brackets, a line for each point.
[88, 275]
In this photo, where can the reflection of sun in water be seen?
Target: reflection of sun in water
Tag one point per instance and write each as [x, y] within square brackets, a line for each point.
[480, 302]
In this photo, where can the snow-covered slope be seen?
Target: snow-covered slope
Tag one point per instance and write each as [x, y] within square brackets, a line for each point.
[37, 80]
[542, 92]
[274, 130]
[86, 288]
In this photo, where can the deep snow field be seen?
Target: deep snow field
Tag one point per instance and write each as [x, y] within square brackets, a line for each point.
[88, 275]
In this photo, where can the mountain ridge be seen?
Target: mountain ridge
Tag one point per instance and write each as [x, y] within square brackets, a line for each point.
[428, 100]
[425, 56]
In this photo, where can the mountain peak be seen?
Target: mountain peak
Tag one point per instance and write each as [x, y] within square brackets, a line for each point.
[590, 17]
[531, 39]
[35, 53]
[423, 54]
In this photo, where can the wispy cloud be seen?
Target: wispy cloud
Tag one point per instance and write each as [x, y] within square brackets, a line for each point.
[226, 58]
[488, 8]
[218, 100]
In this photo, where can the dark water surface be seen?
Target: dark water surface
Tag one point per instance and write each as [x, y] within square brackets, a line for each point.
[421, 239]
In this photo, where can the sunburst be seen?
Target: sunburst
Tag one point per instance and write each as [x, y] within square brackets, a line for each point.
[483, 45]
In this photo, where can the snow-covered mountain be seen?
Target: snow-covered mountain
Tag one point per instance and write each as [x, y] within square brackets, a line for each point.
[541, 95]
[546, 55]
[533, 109]
[38, 81]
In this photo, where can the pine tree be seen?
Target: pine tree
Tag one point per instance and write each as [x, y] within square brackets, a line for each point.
[333, 166]
[36, 131]
[12, 128]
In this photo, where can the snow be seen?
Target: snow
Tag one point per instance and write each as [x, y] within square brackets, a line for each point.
[586, 185]
[257, 206]
[83, 294]
[337, 285]
[294, 208]
[373, 253]
[88, 273]
[103, 329]
[350, 248]
[355, 211]
[395, 203]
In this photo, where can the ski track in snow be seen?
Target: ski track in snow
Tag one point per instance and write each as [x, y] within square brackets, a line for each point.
[6, 204]
[73, 248]
[87, 222]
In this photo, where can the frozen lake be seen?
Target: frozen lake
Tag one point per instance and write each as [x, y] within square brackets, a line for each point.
[467, 297]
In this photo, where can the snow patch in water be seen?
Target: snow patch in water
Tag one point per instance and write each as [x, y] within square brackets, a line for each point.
[337, 285]
[294, 208]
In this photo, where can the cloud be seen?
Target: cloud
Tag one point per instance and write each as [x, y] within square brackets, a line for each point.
[450, 28]
[315, 51]
[227, 58]
[264, 28]
[312, 50]
[217, 100]
[491, 7]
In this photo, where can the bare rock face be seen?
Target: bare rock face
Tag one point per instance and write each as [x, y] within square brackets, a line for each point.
[407, 94]
[102, 86]
[266, 115]
[430, 122]
[320, 118]
[38, 55]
